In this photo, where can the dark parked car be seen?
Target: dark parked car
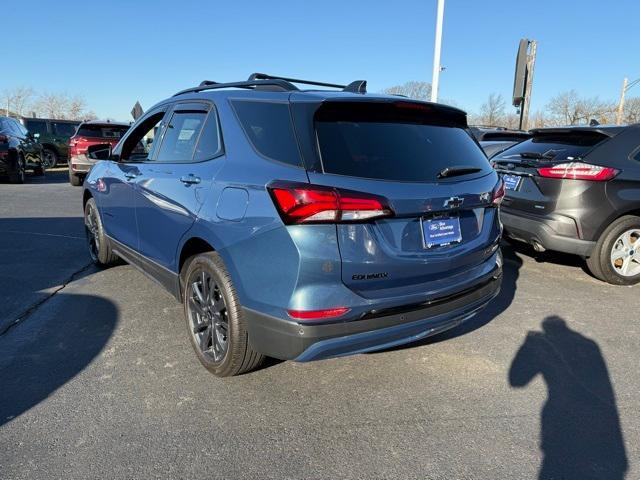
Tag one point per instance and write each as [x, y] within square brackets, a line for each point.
[498, 134]
[19, 151]
[87, 135]
[54, 137]
[493, 147]
[577, 190]
[301, 224]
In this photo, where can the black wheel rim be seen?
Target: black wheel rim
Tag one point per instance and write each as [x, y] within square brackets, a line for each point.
[21, 174]
[91, 230]
[48, 160]
[208, 316]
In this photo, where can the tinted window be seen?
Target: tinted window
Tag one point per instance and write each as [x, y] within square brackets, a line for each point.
[209, 144]
[181, 136]
[64, 129]
[268, 127]
[375, 141]
[37, 126]
[101, 131]
[556, 146]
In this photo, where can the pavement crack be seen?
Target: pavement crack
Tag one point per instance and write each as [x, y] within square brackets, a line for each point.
[35, 306]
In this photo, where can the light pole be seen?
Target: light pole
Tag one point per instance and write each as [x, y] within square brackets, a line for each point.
[435, 79]
[626, 86]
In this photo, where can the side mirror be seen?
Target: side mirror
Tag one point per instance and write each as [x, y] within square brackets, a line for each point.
[149, 141]
[101, 151]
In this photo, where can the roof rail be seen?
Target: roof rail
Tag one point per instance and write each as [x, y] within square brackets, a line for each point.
[262, 80]
[209, 85]
[359, 86]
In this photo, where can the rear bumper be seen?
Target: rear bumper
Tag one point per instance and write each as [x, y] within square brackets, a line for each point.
[542, 230]
[289, 340]
[80, 164]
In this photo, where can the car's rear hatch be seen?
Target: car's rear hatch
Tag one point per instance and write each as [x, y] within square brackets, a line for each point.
[401, 150]
[89, 134]
[562, 148]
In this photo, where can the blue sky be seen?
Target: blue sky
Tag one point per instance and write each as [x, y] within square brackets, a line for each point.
[114, 53]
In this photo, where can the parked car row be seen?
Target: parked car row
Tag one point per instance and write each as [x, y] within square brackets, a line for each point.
[54, 136]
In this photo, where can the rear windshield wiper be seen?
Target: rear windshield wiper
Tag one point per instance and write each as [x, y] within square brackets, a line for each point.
[455, 171]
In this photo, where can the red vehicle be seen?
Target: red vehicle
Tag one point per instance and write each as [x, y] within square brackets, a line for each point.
[94, 132]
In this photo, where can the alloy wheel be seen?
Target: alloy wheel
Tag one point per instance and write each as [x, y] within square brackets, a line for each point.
[92, 233]
[208, 315]
[625, 254]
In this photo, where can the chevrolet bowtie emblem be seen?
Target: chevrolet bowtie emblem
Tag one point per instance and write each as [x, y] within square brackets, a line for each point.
[454, 202]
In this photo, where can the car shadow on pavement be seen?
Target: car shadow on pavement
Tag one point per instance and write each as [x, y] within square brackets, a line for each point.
[44, 352]
[549, 256]
[51, 176]
[580, 436]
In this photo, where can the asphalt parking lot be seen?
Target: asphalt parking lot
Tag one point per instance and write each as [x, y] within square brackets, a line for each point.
[97, 378]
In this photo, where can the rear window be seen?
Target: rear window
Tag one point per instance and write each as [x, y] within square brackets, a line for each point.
[269, 129]
[64, 129]
[556, 146]
[379, 142]
[101, 131]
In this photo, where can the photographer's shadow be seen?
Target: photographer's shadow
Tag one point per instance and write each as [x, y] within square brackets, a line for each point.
[580, 436]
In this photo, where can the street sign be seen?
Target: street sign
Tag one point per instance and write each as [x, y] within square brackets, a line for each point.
[136, 111]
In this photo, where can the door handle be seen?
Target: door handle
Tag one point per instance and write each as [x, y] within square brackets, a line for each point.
[190, 179]
[131, 175]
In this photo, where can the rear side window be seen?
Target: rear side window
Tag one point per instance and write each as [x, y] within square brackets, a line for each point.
[37, 126]
[181, 136]
[555, 146]
[64, 129]
[373, 141]
[269, 129]
[209, 144]
[101, 131]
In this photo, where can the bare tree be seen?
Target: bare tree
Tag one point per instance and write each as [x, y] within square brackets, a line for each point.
[413, 89]
[62, 106]
[632, 110]
[17, 99]
[569, 108]
[492, 112]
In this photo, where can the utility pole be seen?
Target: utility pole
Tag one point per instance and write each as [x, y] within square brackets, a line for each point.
[621, 102]
[435, 79]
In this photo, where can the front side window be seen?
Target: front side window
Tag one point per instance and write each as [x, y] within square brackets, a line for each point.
[181, 136]
[269, 129]
[139, 144]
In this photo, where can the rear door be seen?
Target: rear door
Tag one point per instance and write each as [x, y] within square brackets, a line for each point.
[443, 219]
[176, 181]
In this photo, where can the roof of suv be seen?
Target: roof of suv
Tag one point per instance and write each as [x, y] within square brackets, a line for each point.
[106, 123]
[268, 85]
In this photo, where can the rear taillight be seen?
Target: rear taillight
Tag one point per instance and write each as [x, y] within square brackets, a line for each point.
[498, 193]
[75, 147]
[4, 139]
[317, 314]
[303, 203]
[578, 171]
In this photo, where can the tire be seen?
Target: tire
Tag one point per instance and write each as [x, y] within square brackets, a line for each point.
[19, 175]
[616, 256]
[75, 180]
[97, 242]
[214, 319]
[49, 158]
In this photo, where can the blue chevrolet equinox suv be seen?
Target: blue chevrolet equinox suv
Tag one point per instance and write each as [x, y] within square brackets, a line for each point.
[301, 224]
